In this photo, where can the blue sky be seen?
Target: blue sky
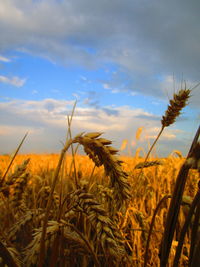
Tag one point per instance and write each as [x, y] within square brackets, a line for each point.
[121, 60]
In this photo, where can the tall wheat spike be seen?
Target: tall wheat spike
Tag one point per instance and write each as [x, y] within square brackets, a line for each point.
[178, 102]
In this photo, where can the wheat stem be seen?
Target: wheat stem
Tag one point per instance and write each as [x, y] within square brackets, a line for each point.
[194, 204]
[49, 203]
[151, 227]
[87, 244]
[194, 234]
[174, 208]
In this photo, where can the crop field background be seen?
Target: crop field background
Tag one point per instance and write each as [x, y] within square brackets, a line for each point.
[22, 209]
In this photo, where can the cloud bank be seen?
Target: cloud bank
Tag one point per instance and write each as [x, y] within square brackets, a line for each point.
[147, 40]
[46, 122]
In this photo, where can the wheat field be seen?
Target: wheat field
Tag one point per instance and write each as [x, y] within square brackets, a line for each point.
[22, 209]
[101, 209]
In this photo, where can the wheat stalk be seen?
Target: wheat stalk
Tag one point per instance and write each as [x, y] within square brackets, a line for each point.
[73, 239]
[20, 224]
[19, 170]
[106, 231]
[151, 227]
[178, 102]
[175, 203]
[11, 179]
[148, 164]
[50, 201]
[9, 255]
[43, 195]
[12, 159]
[32, 250]
[19, 188]
[195, 203]
[100, 151]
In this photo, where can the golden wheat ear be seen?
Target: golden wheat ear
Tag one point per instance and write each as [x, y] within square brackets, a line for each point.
[100, 151]
[148, 164]
[178, 102]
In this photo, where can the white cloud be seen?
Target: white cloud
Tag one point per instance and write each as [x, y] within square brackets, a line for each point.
[83, 78]
[7, 130]
[34, 92]
[168, 134]
[15, 81]
[4, 59]
[106, 86]
[112, 90]
[47, 122]
[71, 32]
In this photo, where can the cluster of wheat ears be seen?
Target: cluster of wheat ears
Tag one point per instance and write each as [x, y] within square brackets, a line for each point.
[136, 212]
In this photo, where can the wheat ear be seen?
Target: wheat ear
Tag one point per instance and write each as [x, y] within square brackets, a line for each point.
[148, 164]
[106, 231]
[178, 102]
[12, 178]
[12, 159]
[100, 151]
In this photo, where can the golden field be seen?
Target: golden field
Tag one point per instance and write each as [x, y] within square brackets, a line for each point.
[21, 212]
